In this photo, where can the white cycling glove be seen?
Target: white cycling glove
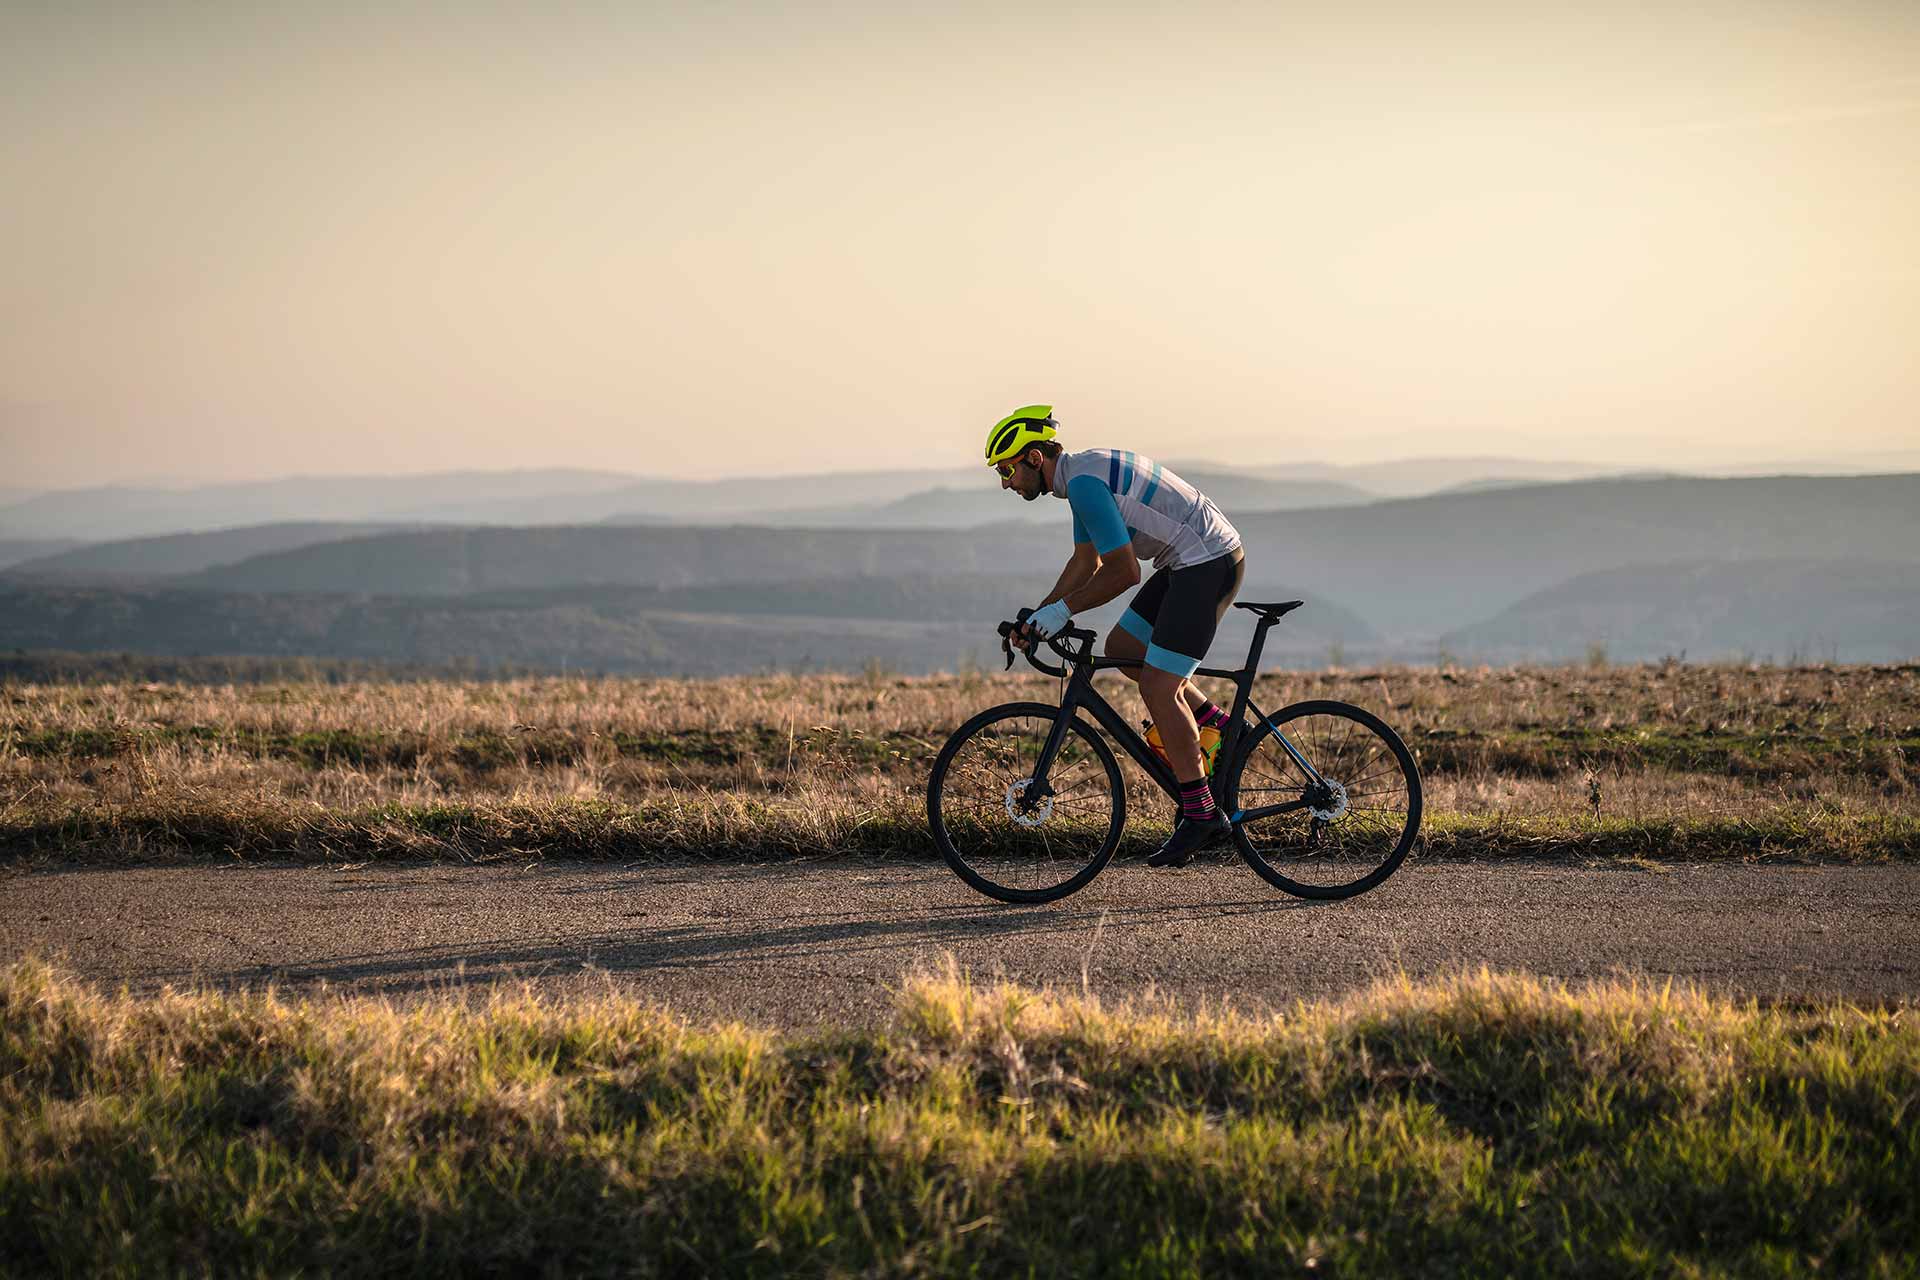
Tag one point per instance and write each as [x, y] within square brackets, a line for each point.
[1051, 619]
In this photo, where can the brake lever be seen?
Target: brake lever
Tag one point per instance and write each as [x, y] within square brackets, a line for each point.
[1006, 636]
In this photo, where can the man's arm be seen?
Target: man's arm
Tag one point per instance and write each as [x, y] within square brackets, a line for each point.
[1081, 567]
[1097, 519]
[1100, 538]
[1118, 573]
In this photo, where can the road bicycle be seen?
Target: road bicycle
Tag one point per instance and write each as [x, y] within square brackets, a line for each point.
[1027, 804]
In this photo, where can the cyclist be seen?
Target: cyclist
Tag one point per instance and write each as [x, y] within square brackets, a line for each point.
[1128, 508]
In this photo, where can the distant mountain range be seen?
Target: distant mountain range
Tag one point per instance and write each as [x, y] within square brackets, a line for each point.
[915, 624]
[461, 561]
[100, 514]
[877, 499]
[1819, 566]
[1426, 566]
[1417, 477]
[1413, 568]
[979, 500]
[563, 496]
[21, 550]
[173, 555]
[1808, 609]
[956, 497]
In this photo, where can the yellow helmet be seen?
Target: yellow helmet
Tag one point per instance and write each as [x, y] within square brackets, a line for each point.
[1012, 435]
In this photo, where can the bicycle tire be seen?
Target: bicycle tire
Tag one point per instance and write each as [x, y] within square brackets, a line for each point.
[976, 871]
[1390, 858]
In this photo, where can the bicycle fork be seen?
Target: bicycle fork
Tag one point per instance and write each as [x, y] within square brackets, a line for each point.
[1039, 789]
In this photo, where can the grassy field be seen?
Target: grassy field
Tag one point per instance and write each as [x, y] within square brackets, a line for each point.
[1484, 1125]
[1477, 1126]
[1652, 762]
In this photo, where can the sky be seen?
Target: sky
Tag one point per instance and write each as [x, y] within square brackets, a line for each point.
[694, 240]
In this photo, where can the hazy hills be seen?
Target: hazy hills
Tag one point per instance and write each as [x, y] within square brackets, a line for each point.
[980, 500]
[20, 550]
[172, 555]
[1417, 477]
[1413, 568]
[99, 514]
[1819, 566]
[877, 499]
[690, 632]
[1425, 566]
[1813, 609]
[833, 499]
[458, 561]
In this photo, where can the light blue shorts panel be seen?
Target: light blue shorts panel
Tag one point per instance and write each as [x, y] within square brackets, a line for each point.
[1178, 664]
[1137, 627]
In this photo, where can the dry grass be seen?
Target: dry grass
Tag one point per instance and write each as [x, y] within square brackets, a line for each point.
[1484, 1125]
[1803, 762]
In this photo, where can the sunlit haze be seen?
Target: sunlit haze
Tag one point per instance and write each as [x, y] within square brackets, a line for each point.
[706, 239]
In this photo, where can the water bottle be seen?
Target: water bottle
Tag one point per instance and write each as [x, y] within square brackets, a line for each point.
[1209, 744]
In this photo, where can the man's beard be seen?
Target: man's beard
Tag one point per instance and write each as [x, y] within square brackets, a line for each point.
[1031, 494]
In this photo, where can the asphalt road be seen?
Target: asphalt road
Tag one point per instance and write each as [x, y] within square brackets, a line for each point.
[799, 945]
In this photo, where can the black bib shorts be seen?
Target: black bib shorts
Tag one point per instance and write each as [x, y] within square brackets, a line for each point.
[1176, 612]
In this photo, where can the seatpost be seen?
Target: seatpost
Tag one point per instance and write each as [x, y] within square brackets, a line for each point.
[1243, 694]
[1259, 641]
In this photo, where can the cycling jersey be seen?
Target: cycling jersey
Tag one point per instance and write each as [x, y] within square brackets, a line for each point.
[1120, 496]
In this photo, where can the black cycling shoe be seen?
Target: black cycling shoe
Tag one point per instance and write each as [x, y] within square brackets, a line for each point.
[1188, 838]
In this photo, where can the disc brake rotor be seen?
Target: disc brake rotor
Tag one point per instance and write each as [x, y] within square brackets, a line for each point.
[1027, 815]
[1335, 804]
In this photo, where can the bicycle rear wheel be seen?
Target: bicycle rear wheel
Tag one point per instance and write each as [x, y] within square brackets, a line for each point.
[1353, 827]
[1001, 842]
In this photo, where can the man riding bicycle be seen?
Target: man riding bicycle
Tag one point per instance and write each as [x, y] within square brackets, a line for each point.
[1126, 508]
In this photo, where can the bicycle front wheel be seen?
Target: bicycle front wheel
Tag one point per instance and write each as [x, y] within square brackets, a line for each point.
[1336, 834]
[1005, 843]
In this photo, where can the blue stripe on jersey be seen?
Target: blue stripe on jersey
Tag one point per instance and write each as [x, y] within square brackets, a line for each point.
[1095, 510]
[1113, 473]
[1126, 470]
[1153, 486]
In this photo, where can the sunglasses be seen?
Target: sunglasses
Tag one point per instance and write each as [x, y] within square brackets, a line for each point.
[1006, 469]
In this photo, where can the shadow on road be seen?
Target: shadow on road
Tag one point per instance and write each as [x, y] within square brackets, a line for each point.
[792, 940]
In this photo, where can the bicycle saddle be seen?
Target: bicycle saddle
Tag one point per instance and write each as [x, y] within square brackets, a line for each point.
[1271, 612]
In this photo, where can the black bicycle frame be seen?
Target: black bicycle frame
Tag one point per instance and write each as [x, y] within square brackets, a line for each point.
[1081, 693]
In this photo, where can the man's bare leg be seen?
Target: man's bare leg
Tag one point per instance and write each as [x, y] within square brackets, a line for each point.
[1179, 735]
[1124, 644]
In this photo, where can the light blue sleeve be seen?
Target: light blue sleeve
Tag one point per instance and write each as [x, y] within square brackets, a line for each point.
[1096, 515]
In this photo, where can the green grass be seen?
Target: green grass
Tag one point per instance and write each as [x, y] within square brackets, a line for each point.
[479, 750]
[1806, 764]
[1530, 753]
[1486, 1125]
[736, 826]
[1767, 756]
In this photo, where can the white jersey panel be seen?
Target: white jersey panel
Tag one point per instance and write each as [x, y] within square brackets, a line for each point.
[1173, 524]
